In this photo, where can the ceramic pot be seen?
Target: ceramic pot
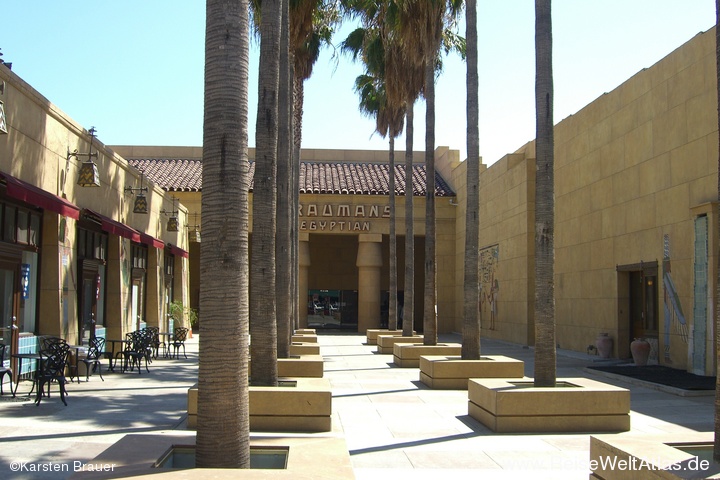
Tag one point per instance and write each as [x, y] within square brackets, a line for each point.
[604, 345]
[640, 349]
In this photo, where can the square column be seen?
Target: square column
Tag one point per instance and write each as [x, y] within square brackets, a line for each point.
[304, 266]
[369, 263]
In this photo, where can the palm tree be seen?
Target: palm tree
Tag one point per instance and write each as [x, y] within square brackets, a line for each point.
[471, 285]
[286, 236]
[421, 26]
[545, 354]
[403, 82]
[223, 440]
[368, 44]
[716, 448]
[263, 327]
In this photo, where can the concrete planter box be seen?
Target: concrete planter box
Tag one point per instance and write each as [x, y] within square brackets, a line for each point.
[305, 331]
[666, 456]
[452, 373]
[574, 405]
[298, 348]
[407, 355]
[308, 458]
[304, 338]
[372, 334]
[299, 366]
[301, 405]
[386, 343]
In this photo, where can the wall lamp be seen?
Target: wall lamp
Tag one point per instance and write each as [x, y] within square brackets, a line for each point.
[141, 203]
[194, 234]
[89, 176]
[172, 225]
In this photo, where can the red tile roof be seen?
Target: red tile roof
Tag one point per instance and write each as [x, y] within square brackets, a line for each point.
[185, 175]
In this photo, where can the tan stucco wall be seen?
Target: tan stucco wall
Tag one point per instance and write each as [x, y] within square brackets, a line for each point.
[629, 168]
[35, 150]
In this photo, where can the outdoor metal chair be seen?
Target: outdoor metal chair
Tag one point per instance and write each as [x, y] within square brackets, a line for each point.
[137, 348]
[179, 337]
[155, 342]
[94, 356]
[53, 361]
[3, 369]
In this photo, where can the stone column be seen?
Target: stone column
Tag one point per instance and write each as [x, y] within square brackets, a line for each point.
[369, 262]
[304, 264]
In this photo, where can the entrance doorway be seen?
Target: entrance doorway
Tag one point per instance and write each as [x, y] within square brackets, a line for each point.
[8, 307]
[638, 306]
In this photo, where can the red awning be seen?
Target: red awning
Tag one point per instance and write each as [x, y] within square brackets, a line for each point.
[177, 251]
[152, 241]
[33, 195]
[120, 229]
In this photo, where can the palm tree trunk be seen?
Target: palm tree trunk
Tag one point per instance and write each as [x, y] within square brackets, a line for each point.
[263, 326]
[430, 299]
[298, 90]
[471, 283]
[545, 353]
[409, 294]
[224, 440]
[392, 307]
[716, 448]
[283, 247]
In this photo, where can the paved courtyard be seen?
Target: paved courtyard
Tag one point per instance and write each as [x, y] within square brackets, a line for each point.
[393, 425]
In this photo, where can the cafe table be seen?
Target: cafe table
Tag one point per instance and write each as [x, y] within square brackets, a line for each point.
[111, 351]
[73, 367]
[27, 356]
[165, 339]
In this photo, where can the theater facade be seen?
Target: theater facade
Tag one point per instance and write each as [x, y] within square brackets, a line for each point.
[636, 175]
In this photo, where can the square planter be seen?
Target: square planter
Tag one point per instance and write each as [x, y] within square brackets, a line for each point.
[305, 331]
[299, 366]
[452, 373]
[407, 355]
[298, 348]
[372, 334]
[304, 338]
[667, 456]
[135, 455]
[385, 343]
[298, 405]
[573, 405]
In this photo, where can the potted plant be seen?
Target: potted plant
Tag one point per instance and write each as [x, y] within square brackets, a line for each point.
[179, 313]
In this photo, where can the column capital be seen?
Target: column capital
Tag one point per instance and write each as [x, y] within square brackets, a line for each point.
[370, 237]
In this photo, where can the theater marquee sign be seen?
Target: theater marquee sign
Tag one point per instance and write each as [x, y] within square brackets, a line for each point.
[329, 217]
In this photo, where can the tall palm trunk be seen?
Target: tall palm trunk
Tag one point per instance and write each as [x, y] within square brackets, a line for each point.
[263, 327]
[716, 449]
[409, 290]
[283, 248]
[223, 440]
[392, 307]
[430, 299]
[545, 353]
[471, 283]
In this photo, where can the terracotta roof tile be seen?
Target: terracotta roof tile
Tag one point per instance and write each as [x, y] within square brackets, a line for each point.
[185, 175]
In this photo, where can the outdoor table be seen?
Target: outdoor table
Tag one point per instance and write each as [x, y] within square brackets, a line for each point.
[111, 351]
[26, 356]
[165, 337]
[74, 367]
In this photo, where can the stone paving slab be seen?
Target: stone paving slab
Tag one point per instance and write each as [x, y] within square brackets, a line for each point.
[394, 426]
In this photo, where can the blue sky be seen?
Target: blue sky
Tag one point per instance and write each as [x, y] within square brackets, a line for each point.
[134, 69]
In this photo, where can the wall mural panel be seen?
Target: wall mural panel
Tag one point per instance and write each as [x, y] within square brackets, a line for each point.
[489, 285]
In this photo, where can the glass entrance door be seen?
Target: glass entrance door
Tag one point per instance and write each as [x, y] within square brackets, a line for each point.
[8, 308]
[88, 304]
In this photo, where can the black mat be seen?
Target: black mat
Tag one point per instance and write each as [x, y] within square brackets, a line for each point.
[662, 375]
